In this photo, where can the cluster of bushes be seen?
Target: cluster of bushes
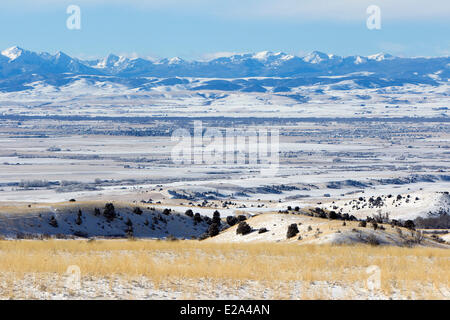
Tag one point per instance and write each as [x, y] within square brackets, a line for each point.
[333, 215]
[214, 224]
[45, 236]
[376, 202]
[408, 224]
[441, 221]
[73, 186]
[109, 212]
[380, 218]
[377, 220]
[157, 218]
[35, 183]
[232, 220]
[243, 228]
[213, 230]
[198, 218]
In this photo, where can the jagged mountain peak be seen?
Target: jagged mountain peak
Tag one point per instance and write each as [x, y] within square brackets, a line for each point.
[175, 60]
[316, 57]
[381, 56]
[112, 62]
[13, 53]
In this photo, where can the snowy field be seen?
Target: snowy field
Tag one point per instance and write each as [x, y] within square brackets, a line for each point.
[344, 99]
[50, 160]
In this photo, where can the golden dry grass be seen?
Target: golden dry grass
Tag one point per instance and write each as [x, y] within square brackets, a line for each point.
[417, 271]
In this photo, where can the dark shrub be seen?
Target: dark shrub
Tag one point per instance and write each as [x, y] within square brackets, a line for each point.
[137, 211]
[198, 217]
[395, 223]
[79, 221]
[333, 215]
[109, 212]
[166, 211]
[216, 217]
[297, 208]
[72, 200]
[80, 234]
[213, 230]
[292, 230]
[207, 219]
[409, 224]
[129, 230]
[262, 230]
[97, 212]
[232, 220]
[372, 240]
[53, 222]
[374, 225]
[189, 213]
[362, 224]
[243, 228]
[319, 213]
[241, 217]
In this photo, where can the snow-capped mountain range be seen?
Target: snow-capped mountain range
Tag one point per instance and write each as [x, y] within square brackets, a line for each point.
[20, 67]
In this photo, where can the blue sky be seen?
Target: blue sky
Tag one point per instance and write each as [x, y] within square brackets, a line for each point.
[198, 29]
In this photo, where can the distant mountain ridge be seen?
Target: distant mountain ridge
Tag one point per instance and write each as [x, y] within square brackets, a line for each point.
[19, 67]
